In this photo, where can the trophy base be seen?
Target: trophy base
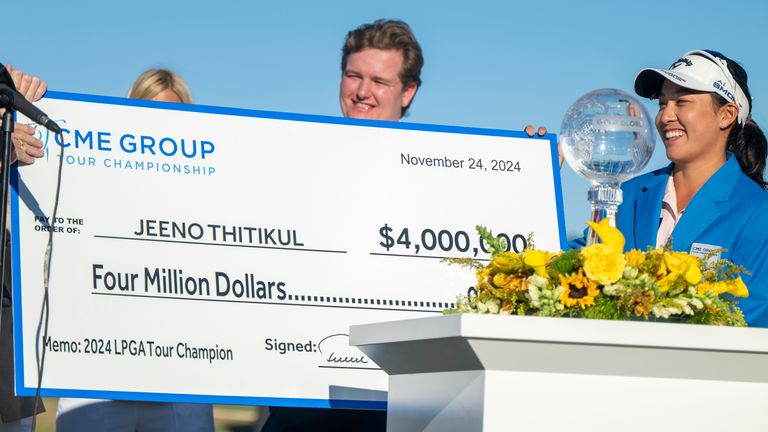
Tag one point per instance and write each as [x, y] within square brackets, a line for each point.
[605, 199]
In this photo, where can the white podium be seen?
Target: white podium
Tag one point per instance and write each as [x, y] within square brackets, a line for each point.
[510, 373]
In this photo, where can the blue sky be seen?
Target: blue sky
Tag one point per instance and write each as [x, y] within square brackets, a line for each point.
[494, 64]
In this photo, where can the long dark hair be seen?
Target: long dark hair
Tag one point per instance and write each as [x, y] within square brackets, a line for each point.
[747, 142]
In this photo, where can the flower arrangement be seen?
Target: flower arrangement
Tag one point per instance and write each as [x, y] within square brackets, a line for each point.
[601, 281]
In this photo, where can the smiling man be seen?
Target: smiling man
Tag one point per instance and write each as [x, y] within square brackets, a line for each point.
[380, 71]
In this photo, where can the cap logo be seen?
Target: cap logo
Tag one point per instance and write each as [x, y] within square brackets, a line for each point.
[720, 87]
[680, 62]
[675, 76]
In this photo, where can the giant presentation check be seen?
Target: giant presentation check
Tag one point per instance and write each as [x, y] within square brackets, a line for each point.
[220, 255]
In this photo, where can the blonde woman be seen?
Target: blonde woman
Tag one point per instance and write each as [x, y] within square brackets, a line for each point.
[99, 415]
[160, 85]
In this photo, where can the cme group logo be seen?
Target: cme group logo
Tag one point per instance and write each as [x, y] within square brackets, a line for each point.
[136, 152]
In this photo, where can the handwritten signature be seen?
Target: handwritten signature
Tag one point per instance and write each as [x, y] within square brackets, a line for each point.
[336, 350]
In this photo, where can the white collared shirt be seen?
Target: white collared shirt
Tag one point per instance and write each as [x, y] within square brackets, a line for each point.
[670, 215]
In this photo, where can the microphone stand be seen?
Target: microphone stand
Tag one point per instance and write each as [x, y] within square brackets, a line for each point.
[5, 156]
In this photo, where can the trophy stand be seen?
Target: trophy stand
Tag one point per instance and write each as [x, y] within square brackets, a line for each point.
[605, 200]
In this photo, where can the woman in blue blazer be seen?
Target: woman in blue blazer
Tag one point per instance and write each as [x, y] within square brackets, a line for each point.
[713, 194]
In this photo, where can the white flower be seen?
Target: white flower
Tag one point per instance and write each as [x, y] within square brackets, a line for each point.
[493, 306]
[614, 290]
[537, 281]
[546, 300]
[684, 306]
[535, 295]
[664, 312]
[630, 272]
[482, 308]
[697, 303]
[556, 293]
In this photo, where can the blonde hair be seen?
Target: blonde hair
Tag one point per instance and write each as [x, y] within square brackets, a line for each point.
[153, 81]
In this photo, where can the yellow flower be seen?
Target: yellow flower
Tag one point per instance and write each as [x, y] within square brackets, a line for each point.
[642, 301]
[666, 283]
[732, 286]
[738, 288]
[609, 235]
[499, 280]
[510, 282]
[704, 288]
[482, 274]
[602, 263]
[634, 258]
[578, 290]
[506, 262]
[692, 275]
[538, 260]
[676, 264]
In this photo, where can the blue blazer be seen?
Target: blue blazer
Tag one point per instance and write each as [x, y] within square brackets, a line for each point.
[729, 211]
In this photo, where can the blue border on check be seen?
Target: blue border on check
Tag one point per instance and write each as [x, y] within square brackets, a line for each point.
[222, 399]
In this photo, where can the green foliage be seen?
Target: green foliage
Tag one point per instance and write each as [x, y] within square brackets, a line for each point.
[605, 308]
[495, 245]
[567, 262]
[464, 262]
[722, 269]
[529, 241]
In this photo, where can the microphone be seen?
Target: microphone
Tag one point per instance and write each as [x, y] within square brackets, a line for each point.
[10, 98]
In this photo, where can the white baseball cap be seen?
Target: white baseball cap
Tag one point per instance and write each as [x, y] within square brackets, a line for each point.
[697, 70]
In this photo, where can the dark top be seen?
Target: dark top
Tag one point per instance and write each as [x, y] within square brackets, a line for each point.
[12, 408]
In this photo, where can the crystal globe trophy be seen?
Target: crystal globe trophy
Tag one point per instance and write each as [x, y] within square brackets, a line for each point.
[607, 137]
